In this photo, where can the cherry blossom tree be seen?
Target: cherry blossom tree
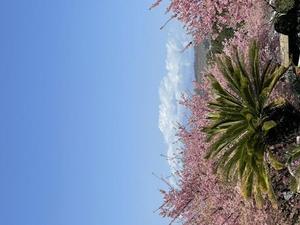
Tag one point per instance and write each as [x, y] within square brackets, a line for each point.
[206, 18]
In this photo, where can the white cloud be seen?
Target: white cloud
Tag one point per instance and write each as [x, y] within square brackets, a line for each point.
[178, 80]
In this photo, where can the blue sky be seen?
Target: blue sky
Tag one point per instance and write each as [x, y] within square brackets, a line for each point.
[79, 137]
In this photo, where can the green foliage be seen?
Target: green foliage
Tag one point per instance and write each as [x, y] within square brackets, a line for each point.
[294, 79]
[268, 125]
[239, 123]
[294, 155]
[283, 6]
[275, 163]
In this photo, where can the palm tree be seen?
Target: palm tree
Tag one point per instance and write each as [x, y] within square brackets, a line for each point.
[239, 122]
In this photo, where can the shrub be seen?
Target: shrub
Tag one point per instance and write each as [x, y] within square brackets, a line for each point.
[283, 6]
[239, 124]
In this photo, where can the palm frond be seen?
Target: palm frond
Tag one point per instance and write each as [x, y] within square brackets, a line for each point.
[238, 122]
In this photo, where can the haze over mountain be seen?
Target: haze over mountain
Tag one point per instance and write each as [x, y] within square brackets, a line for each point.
[200, 58]
[182, 69]
[177, 81]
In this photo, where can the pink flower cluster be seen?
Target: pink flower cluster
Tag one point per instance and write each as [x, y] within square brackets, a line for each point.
[205, 18]
[256, 26]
